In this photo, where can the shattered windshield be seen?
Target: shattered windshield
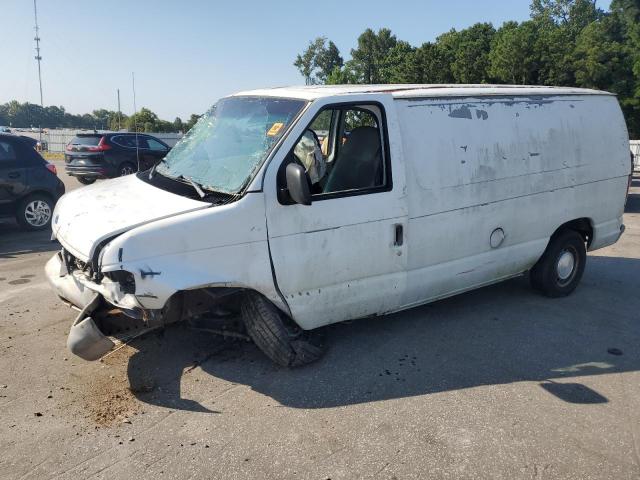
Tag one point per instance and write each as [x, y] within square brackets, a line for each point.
[226, 146]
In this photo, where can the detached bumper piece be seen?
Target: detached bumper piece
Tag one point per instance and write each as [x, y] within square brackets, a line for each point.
[85, 338]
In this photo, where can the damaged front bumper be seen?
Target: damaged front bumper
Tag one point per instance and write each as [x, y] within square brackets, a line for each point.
[86, 339]
[75, 287]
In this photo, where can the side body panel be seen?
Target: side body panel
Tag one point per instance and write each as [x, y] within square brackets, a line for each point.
[524, 165]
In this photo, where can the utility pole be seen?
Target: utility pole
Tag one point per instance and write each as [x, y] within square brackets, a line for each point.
[135, 116]
[119, 114]
[38, 58]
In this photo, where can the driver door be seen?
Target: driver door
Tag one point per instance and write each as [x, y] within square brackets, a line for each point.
[343, 256]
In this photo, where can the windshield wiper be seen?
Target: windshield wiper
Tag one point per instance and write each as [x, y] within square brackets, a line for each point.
[153, 169]
[195, 185]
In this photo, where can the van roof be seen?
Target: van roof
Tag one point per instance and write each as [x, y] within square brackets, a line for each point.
[313, 92]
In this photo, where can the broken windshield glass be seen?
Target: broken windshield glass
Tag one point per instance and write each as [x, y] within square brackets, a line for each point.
[229, 143]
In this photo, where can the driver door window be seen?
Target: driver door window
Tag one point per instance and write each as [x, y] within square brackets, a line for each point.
[342, 151]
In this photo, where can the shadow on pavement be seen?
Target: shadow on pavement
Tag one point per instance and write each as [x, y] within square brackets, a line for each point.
[573, 393]
[497, 335]
[15, 242]
[633, 203]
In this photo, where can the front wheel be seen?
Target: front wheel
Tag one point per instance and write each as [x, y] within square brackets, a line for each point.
[561, 266]
[278, 336]
[34, 212]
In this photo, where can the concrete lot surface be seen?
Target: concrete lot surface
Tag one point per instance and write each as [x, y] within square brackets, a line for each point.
[497, 383]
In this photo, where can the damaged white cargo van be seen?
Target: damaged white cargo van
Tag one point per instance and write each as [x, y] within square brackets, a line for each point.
[294, 208]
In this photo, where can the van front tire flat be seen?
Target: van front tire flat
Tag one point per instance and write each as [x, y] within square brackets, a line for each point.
[277, 336]
[561, 266]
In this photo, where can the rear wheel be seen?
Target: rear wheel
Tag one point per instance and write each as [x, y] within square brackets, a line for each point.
[561, 266]
[34, 212]
[126, 169]
[86, 180]
[278, 336]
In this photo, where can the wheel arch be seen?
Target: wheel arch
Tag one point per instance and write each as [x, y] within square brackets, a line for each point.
[31, 193]
[584, 226]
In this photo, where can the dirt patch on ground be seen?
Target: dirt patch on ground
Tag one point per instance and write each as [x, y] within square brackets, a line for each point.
[109, 399]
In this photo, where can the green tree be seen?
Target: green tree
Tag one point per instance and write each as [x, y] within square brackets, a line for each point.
[318, 60]
[399, 65]
[142, 121]
[601, 60]
[342, 76]
[118, 121]
[428, 65]
[512, 57]
[471, 56]
[305, 62]
[192, 121]
[573, 14]
[327, 59]
[369, 58]
[559, 22]
[444, 55]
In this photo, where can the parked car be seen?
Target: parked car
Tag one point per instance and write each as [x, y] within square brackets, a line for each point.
[421, 193]
[29, 185]
[33, 143]
[5, 129]
[90, 156]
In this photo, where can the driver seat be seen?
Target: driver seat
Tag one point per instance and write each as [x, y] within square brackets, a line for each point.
[359, 163]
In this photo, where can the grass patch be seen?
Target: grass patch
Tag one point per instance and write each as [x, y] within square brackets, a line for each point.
[53, 156]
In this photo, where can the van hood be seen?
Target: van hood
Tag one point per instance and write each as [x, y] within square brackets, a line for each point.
[89, 215]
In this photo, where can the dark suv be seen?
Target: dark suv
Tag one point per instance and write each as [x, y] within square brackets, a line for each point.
[29, 185]
[90, 156]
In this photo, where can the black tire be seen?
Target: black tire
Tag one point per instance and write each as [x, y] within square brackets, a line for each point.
[86, 180]
[276, 335]
[126, 168]
[553, 278]
[34, 212]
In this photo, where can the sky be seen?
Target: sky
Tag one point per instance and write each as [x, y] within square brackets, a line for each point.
[188, 53]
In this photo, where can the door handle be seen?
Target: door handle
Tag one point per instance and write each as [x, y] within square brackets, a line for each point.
[13, 174]
[398, 239]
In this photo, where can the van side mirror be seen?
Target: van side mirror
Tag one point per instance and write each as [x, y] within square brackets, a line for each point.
[298, 184]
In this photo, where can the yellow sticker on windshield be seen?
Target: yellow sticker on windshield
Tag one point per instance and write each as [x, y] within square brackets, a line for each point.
[275, 129]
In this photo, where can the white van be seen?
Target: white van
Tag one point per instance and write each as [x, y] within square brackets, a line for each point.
[294, 208]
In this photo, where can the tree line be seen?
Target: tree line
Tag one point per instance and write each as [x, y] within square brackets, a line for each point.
[564, 43]
[26, 114]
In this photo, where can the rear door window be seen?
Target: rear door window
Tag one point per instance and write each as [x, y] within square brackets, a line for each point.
[127, 141]
[7, 152]
[142, 142]
[155, 145]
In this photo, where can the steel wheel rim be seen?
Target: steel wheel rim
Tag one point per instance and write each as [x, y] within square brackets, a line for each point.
[126, 170]
[566, 266]
[37, 213]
